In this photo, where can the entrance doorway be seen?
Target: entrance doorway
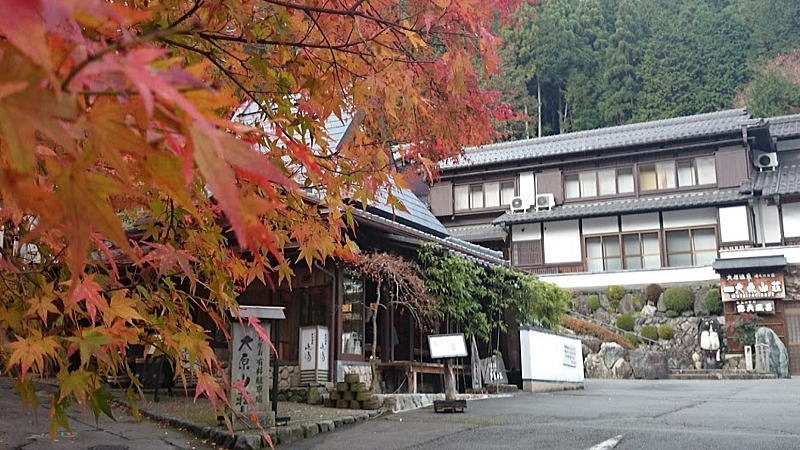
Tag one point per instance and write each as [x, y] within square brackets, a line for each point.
[792, 317]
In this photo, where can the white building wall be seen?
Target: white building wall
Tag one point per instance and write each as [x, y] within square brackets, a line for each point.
[633, 278]
[734, 224]
[527, 188]
[640, 222]
[600, 225]
[690, 217]
[768, 224]
[562, 242]
[527, 232]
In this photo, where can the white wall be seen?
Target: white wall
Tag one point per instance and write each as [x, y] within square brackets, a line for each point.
[690, 217]
[768, 224]
[791, 253]
[791, 219]
[632, 278]
[600, 225]
[562, 242]
[527, 187]
[527, 232]
[640, 222]
[543, 357]
[734, 224]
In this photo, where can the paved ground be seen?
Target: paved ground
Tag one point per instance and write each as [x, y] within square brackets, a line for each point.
[20, 429]
[750, 414]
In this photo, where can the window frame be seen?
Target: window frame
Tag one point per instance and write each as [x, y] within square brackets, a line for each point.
[577, 175]
[677, 162]
[692, 249]
[469, 187]
[622, 254]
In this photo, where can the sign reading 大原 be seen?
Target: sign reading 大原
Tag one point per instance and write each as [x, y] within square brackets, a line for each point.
[447, 346]
[752, 286]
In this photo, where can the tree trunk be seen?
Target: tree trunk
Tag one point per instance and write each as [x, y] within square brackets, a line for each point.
[449, 380]
[539, 106]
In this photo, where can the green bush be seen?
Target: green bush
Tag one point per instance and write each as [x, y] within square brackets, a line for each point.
[637, 301]
[671, 314]
[650, 332]
[665, 332]
[652, 292]
[713, 301]
[615, 293]
[625, 321]
[593, 302]
[632, 338]
[679, 299]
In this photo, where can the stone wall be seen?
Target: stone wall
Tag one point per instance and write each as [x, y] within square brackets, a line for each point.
[288, 377]
[613, 361]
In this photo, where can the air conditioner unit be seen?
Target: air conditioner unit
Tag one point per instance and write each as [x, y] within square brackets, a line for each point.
[765, 160]
[545, 201]
[518, 205]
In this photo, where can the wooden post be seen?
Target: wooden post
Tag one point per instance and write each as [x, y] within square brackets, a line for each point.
[449, 380]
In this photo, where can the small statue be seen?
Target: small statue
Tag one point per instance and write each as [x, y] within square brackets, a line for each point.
[709, 336]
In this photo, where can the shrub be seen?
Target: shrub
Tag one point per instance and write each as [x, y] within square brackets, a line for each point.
[615, 293]
[743, 329]
[637, 301]
[632, 339]
[650, 332]
[584, 327]
[652, 292]
[665, 332]
[679, 299]
[672, 314]
[593, 302]
[625, 321]
[713, 301]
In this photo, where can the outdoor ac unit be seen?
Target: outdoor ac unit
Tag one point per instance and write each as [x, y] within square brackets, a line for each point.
[518, 205]
[765, 160]
[545, 201]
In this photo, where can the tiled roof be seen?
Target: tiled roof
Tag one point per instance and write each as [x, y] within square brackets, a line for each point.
[678, 128]
[628, 206]
[785, 180]
[416, 215]
[478, 233]
[784, 126]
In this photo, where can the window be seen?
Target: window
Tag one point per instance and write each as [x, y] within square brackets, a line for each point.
[669, 174]
[492, 194]
[593, 183]
[353, 315]
[506, 192]
[623, 251]
[492, 190]
[476, 196]
[692, 247]
[461, 194]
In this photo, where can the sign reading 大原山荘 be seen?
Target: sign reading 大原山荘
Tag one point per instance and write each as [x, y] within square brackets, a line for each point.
[752, 286]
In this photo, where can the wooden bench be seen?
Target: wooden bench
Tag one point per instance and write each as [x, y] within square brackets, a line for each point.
[412, 368]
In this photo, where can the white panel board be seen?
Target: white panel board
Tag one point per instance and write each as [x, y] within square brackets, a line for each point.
[640, 222]
[526, 232]
[447, 346]
[562, 242]
[527, 187]
[690, 217]
[734, 224]
[600, 225]
[768, 224]
[550, 357]
[791, 219]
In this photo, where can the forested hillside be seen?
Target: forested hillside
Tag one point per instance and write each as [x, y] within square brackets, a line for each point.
[597, 63]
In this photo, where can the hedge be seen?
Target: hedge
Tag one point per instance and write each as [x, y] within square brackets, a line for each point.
[584, 327]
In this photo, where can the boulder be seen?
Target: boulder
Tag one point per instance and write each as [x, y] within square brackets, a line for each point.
[649, 310]
[700, 308]
[593, 367]
[649, 364]
[687, 313]
[776, 360]
[611, 352]
[661, 305]
[602, 315]
[626, 304]
[622, 369]
[592, 342]
[585, 349]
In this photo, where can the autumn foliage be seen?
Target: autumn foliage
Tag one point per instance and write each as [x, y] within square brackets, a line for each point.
[158, 156]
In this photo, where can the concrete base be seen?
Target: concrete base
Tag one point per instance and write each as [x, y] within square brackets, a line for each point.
[550, 386]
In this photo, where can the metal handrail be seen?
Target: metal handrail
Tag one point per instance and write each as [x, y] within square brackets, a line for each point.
[613, 328]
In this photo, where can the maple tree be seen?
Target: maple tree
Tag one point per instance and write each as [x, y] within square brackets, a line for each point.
[156, 156]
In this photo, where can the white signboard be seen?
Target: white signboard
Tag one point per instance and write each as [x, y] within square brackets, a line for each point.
[313, 354]
[447, 346]
[548, 356]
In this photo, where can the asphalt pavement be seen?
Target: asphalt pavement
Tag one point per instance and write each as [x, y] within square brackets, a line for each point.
[622, 414]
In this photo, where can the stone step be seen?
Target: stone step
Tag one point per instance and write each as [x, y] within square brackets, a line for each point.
[501, 388]
[710, 374]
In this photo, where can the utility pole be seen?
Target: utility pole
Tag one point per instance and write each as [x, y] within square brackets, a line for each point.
[539, 106]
